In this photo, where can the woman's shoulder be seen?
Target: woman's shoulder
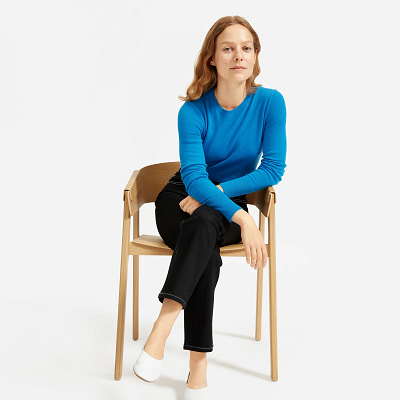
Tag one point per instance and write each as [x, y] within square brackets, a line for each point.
[190, 109]
[267, 93]
[271, 100]
[195, 108]
[192, 112]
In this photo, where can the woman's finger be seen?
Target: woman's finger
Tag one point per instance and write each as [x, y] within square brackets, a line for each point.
[247, 253]
[183, 203]
[265, 256]
[253, 257]
[259, 258]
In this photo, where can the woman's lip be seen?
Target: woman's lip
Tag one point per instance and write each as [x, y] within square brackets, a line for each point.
[238, 68]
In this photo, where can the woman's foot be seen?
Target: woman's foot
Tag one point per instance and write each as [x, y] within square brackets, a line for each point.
[198, 370]
[156, 341]
[200, 393]
[197, 382]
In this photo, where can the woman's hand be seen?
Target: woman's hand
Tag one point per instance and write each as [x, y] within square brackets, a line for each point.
[189, 204]
[254, 246]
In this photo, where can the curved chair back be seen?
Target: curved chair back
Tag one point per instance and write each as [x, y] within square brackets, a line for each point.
[147, 183]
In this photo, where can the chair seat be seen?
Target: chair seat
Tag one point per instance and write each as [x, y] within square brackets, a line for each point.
[155, 244]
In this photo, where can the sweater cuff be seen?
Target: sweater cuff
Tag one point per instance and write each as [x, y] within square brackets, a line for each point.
[231, 211]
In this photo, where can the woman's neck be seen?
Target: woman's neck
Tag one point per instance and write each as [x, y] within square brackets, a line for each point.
[230, 97]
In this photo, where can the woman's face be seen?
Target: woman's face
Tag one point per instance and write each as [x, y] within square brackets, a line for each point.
[234, 47]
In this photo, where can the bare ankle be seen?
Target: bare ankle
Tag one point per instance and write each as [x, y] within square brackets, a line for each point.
[161, 330]
[155, 345]
[197, 378]
[198, 361]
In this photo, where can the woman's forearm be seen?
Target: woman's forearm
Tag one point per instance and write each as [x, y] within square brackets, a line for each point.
[241, 217]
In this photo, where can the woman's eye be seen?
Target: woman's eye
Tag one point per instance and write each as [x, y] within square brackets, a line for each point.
[227, 48]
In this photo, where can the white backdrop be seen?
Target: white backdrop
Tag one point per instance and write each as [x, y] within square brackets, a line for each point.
[89, 93]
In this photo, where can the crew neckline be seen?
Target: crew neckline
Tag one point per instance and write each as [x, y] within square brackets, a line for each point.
[223, 110]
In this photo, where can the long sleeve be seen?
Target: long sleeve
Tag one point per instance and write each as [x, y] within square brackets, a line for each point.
[272, 166]
[193, 165]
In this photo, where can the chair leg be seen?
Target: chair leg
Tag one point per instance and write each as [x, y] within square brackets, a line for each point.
[272, 294]
[260, 280]
[122, 293]
[260, 273]
[135, 325]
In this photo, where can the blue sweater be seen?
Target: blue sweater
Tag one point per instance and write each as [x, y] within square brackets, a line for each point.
[226, 146]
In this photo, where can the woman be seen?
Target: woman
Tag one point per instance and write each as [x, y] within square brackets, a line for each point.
[225, 124]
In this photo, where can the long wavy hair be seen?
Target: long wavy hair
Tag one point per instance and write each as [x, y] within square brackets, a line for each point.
[205, 74]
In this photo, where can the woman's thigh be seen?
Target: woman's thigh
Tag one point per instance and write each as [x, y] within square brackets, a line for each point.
[169, 216]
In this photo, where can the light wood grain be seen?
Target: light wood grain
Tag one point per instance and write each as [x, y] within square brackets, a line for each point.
[143, 187]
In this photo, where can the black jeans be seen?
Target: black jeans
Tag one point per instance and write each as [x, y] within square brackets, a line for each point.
[195, 264]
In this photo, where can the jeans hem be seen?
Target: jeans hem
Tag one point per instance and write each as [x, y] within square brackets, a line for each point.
[199, 349]
[163, 295]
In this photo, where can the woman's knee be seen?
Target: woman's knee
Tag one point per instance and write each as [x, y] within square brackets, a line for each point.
[208, 214]
[210, 219]
[168, 216]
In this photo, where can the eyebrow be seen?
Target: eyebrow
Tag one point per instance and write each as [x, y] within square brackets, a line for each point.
[247, 41]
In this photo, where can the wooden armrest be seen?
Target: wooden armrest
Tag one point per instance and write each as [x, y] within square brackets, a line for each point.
[131, 192]
[262, 200]
[132, 185]
[271, 191]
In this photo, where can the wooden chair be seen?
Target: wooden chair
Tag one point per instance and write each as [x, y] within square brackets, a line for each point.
[143, 187]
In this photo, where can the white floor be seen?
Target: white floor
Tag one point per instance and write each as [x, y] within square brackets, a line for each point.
[89, 93]
[65, 349]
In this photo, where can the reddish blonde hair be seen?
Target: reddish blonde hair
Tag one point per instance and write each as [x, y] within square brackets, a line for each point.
[205, 74]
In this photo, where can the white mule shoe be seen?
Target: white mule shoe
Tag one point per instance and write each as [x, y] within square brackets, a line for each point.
[195, 394]
[147, 367]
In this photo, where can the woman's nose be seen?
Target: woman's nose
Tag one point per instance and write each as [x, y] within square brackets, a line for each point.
[238, 56]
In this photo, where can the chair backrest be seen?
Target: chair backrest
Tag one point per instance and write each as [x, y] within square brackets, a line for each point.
[153, 178]
[147, 183]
